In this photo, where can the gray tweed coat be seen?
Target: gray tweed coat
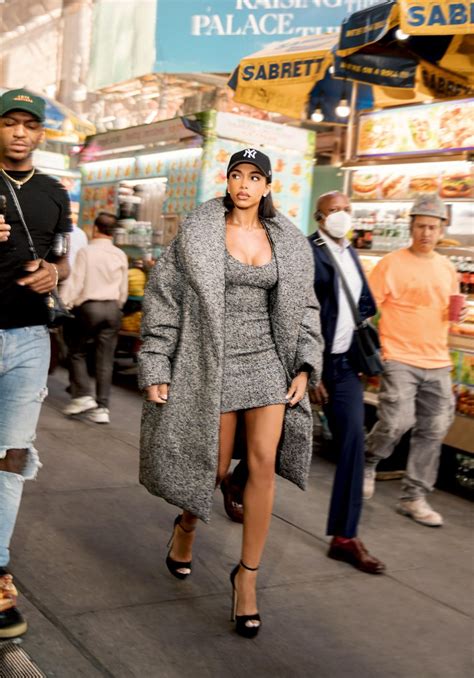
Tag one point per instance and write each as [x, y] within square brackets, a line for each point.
[183, 345]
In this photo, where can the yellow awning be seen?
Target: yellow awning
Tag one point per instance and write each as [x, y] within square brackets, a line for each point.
[281, 76]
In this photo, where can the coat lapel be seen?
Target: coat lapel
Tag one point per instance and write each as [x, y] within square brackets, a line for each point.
[288, 300]
[203, 248]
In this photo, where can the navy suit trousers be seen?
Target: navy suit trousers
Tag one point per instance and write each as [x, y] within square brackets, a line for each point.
[345, 415]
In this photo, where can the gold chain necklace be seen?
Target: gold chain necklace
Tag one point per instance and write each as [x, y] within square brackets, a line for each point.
[18, 182]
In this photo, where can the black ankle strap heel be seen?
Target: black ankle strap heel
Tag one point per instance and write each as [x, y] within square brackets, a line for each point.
[242, 626]
[174, 566]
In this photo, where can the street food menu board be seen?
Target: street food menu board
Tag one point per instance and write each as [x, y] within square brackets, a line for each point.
[451, 180]
[438, 127]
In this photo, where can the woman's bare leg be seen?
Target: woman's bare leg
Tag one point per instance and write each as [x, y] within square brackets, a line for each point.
[182, 546]
[264, 426]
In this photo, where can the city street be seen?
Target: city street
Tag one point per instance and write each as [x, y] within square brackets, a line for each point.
[88, 556]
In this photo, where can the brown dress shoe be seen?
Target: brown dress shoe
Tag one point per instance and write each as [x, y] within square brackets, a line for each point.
[232, 499]
[353, 551]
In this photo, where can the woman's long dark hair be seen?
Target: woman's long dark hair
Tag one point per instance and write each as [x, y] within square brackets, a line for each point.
[266, 208]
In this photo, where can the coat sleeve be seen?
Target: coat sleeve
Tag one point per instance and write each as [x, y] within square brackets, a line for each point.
[309, 349]
[161, 323]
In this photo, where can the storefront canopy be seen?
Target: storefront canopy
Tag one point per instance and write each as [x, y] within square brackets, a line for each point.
[62, 124]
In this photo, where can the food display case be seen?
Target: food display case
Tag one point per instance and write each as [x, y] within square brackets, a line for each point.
[405, 151]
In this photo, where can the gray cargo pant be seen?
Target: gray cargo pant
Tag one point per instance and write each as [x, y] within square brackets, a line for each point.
[418, 399]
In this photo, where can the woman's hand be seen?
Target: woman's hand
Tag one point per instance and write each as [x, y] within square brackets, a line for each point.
[158, 393]
[297, 388]
[319, 395]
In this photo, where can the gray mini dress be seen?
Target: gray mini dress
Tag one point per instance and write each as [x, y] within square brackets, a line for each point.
[253, 373]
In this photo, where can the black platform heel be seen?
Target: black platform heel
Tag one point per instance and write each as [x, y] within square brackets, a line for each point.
[242, 619]
[175, 565]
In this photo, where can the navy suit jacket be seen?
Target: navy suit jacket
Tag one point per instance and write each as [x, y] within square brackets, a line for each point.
[326, 285]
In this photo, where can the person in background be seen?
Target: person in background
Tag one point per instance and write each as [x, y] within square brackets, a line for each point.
[77, 240]
[24, 337]
[61, 337]
[412, 287]
[97, 290]
[340, 391]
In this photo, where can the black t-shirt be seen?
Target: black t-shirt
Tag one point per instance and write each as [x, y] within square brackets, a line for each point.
[46, 209]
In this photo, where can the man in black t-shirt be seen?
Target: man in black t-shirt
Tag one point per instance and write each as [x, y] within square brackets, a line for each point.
[24, 338]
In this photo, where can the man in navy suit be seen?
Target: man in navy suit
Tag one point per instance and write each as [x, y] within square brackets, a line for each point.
[340, 391]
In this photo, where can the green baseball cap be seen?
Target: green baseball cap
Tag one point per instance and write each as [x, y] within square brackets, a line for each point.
[22, 100]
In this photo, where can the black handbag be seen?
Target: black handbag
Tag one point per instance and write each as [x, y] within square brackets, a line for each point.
[364, 353]
[56, 311]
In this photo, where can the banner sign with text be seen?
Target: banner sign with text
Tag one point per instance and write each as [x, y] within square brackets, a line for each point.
[377, 70]
[214, 35]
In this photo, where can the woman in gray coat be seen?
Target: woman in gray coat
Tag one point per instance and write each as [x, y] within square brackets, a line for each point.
[231, 323]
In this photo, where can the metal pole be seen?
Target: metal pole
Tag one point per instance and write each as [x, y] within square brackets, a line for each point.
[350, 133]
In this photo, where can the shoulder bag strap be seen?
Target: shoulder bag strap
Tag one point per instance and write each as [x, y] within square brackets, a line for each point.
[31, 245]
[345, 286]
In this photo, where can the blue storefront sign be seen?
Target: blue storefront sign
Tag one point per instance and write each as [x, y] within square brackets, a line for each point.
[213, 35]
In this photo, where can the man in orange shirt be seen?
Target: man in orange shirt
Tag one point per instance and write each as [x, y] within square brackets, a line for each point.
[412, 289]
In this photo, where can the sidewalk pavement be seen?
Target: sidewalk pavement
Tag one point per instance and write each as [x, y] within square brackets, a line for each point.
[89, 551]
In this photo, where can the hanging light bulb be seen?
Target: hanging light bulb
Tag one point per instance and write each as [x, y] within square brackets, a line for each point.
[317, 115]
[401, 35]
[343, 109]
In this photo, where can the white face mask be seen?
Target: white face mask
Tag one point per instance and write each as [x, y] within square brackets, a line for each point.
[337, 224]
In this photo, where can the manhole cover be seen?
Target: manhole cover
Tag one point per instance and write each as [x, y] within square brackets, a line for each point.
[15, 663]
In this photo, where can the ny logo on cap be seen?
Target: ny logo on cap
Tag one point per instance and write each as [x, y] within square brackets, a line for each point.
[250, 153]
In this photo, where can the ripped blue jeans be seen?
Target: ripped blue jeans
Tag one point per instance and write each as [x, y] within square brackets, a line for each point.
[24, 362]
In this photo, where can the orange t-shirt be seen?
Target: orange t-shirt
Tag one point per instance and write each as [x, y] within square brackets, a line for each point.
[413, 295]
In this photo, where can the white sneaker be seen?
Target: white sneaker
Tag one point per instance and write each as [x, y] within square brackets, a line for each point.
[421, 512]
[368, 488]
[100, 415]
[78, 405]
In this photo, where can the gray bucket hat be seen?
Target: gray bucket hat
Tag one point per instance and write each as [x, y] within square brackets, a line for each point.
[429, 205]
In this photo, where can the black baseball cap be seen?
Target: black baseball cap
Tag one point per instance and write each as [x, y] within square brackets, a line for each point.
[22, 100]
[253, 157]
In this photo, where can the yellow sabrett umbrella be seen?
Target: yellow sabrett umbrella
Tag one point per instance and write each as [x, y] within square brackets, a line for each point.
[378, 43]
[281, 76]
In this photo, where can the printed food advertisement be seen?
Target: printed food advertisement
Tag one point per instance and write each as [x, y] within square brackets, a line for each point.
[398, 184]
[438, 127]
